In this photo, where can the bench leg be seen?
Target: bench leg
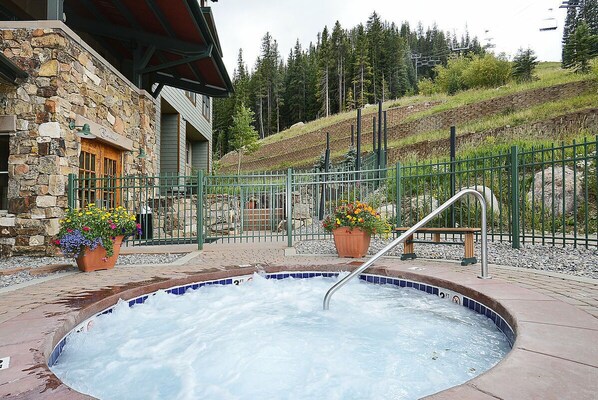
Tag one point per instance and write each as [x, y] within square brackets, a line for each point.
[408, 249]
[469, 257]
[467, 261]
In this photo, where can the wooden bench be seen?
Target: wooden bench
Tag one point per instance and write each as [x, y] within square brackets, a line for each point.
[468, 233]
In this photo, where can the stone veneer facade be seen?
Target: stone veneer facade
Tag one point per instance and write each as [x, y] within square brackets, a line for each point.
[68, 81]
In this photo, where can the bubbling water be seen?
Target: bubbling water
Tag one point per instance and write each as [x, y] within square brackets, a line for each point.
[270, 339]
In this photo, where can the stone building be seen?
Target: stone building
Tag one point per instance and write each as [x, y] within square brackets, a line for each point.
[98, 88]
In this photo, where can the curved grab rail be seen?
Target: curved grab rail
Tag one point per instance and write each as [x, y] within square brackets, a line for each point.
[410, 231]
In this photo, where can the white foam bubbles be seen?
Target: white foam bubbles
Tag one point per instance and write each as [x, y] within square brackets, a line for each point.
[270, 339]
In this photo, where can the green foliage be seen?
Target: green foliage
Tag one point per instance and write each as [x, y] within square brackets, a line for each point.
[357, 215]
[486, 71]
[449, 79]
[243, 134]
[524, 65]
[427, 87]
[581, 48]
[343, 69]
[92, 226]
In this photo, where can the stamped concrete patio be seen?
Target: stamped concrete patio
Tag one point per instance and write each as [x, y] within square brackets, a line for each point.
[555, 316]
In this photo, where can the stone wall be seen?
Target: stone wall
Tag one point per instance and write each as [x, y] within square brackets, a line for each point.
[67, 81]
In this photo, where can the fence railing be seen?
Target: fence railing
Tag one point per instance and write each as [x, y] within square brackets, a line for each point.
[545, 195]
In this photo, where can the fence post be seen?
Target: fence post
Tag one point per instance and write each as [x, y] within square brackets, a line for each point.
[515, 243]
[453, 141]
[398, 194]
[71, 191]
[289, 200]
[200, 210]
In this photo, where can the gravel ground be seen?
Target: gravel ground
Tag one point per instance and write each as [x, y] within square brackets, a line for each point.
[567, 260]
[34, 262]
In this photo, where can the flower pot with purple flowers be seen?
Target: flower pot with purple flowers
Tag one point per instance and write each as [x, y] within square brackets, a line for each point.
[93, 235]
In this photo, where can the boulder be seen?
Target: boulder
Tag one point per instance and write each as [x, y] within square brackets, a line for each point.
[416, 208]
[566, 186]
[301, 211]
[388, 211]
[491, 201]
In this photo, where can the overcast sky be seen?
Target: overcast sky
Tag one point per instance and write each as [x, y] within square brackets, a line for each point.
[511, 23]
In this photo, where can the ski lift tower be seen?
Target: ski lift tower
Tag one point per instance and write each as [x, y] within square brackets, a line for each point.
[570, 4]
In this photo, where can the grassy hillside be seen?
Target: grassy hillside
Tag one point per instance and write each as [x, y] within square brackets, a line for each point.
[493, 116]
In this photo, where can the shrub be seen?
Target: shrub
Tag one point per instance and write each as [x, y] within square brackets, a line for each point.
[486, 71]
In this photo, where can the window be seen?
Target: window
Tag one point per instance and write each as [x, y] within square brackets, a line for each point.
[4, 149]
[98, 160]
[205, 109]
[191, 96]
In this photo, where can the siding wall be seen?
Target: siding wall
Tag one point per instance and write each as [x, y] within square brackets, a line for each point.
[200, 152]
[189, 114]
[168, 144]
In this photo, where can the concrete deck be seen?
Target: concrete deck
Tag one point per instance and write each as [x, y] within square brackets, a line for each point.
[555, 317]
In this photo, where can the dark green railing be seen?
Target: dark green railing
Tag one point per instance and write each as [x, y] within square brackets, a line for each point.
[545, 195]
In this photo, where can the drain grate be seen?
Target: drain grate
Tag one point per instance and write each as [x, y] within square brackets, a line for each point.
[4, 362]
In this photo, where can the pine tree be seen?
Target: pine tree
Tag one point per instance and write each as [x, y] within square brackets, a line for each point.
[524, 64]
[339, 49]
[324, 63]
[362, 68]
[568, 29]
[581, 46]
[375, 38]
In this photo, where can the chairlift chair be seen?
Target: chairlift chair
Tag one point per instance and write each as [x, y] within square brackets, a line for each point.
[548, 24]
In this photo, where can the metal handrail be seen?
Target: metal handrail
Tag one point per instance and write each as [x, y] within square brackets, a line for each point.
[411, 231]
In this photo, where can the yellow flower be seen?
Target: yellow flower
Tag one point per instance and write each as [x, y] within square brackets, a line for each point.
[68, 220]
[80, 214]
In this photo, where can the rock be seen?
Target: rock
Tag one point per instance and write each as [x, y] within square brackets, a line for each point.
[388, 211]
[301, 211]
[297, 125]
[49, 68]
[491, 201]
[224, 229]
[295, 224]
[45, 201]
[543, 191]
[50, 129]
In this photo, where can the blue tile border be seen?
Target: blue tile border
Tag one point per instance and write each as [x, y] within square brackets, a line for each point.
[467, 302]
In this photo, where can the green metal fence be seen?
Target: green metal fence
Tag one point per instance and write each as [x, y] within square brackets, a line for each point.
[544, 195]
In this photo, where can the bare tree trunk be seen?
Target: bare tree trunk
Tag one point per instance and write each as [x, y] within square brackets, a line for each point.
[277, 115]
[340, 85]
[361, 89]
[327, 97]
[269, 109]
[383, 87]
[240, 152]
[261, 107]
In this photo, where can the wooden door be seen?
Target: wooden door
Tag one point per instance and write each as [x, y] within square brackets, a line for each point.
[100, 167]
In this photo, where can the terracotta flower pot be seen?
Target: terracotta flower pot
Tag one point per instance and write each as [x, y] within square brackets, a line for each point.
[351, 243]
[94, 260]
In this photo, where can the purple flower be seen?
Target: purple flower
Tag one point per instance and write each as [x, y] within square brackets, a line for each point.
[73, 243]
